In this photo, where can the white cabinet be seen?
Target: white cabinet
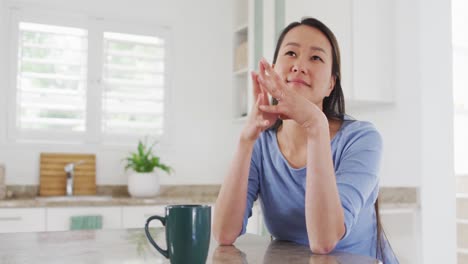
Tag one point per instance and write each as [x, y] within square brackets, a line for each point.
[256, 224]
[253, 224]
[402, 230]
[58, 219]
[22, 220]
[365, 34]
[135, 216]
[247, 46]
[241, 41]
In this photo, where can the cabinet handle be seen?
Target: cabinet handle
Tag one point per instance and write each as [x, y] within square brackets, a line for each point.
[13, 218]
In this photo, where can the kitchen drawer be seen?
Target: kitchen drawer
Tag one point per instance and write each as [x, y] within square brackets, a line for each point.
[58, 219]
[135, 216]
[22, 220]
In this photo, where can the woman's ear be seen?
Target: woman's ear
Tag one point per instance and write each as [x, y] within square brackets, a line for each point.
[332, 84]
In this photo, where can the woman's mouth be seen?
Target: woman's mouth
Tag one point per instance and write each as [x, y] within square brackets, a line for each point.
[298, 82]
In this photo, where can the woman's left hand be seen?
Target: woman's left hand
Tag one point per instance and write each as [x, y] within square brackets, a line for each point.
[291, 105]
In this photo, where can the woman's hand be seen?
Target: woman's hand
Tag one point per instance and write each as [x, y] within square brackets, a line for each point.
[258, 121]
[291, 105]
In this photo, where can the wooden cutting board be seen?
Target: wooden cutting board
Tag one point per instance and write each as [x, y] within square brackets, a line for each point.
[53, 178]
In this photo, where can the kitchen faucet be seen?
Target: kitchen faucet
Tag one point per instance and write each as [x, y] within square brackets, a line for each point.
[70, 170]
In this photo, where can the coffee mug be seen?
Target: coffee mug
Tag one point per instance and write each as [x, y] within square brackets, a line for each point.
[188, 233]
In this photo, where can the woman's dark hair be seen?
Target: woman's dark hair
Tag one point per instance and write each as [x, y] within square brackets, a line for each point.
[334, 104]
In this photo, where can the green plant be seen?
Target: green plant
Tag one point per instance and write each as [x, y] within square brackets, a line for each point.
[144, 160]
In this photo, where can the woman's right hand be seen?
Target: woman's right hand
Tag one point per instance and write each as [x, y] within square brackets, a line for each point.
[258, 121]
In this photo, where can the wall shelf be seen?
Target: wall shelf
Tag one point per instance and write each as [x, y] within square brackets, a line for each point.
[242, 29]
[241, 72]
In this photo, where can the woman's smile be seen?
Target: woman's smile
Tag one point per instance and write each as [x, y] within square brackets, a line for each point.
[297, 82]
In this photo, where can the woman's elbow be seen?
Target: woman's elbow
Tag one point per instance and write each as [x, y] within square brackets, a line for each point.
[322, 247]
[224, 239]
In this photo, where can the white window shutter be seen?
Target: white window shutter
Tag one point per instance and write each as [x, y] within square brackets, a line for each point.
[133, 84]
[51, 78]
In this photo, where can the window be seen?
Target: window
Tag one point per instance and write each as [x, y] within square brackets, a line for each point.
[51, 78]
[133, 84]
[99, 81]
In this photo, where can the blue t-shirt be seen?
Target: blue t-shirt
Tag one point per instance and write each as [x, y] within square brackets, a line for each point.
[356, 152]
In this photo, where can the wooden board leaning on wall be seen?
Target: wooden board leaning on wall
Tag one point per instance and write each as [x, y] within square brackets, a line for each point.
[53, 178]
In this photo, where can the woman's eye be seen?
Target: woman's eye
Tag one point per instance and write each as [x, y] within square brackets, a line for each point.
[290, 53]
[316, 58]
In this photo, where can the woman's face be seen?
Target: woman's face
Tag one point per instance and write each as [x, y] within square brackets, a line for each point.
[304, 62]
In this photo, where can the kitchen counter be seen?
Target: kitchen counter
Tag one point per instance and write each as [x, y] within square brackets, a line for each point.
[131, 246]
[389, 198]
[128, 201]
[98, 201]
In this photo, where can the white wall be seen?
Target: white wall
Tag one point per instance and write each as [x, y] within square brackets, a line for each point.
[202, 140]
[399, 123]
[418, 128]
[437, 162]
[3, 54]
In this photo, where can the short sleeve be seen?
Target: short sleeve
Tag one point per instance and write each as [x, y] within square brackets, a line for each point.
[253, 185]
[357, 174]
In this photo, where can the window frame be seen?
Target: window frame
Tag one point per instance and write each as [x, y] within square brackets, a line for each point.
[96, 26]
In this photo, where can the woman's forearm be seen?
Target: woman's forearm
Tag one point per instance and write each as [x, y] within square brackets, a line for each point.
[232, 198]
[324, 213]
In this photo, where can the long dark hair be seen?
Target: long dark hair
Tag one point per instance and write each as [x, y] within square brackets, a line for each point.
[334, 104]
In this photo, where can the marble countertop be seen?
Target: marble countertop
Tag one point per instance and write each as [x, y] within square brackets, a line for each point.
[129, 201]
[98, 201]
[389, 198]
[131, 246]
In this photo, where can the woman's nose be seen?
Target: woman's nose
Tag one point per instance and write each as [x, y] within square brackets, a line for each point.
[298, 68]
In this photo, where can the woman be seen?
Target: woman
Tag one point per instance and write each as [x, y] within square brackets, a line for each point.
[314, 168]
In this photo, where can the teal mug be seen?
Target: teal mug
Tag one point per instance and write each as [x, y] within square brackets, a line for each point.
[188, 233]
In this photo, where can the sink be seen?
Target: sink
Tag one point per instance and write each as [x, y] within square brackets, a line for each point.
[77, 198]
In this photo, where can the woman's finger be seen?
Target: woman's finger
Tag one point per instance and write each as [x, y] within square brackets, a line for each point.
[256, 86]
[270, 82]
[271, 89]
[273, 109]
[262, 123]
[270, 71]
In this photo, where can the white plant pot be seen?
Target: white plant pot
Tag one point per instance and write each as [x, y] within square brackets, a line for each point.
[143, 184]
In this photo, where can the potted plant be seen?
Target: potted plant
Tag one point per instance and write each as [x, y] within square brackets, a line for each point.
[143, 181]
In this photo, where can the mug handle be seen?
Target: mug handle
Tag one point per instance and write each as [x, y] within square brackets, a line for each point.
[165, 253]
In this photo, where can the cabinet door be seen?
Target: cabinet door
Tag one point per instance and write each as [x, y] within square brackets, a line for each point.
[22, 220]
[373, 51]
[135, 216]
[365, 33]
[253, 222]
[401, 228]
[59, 219]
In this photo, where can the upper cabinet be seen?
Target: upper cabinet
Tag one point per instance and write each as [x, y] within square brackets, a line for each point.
[247, 51]
[364, 30]
[365, 33]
